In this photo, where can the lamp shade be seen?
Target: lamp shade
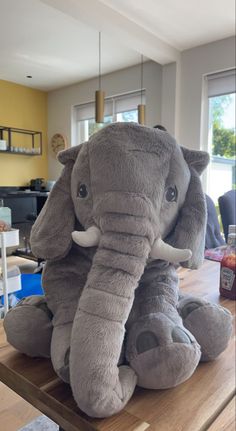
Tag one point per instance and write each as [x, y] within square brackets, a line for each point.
[141, 113]
[99, 106]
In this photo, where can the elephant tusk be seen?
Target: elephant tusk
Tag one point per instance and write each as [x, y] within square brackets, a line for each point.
[89, 238]
[161, 250]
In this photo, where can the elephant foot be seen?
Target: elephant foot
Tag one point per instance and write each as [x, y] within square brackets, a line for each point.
[28, 327]
[162, 353]
[60, 350]
[210, 324]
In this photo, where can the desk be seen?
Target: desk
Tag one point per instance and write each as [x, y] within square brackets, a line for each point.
[204, 402]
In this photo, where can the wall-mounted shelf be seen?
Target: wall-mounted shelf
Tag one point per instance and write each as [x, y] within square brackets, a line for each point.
[21, 153]
[12, 143]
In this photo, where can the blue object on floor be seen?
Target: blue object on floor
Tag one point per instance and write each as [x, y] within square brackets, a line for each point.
[31, 285]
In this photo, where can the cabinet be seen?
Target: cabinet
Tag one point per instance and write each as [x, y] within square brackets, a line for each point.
[8, 239]
[25, 208]
[20, 141]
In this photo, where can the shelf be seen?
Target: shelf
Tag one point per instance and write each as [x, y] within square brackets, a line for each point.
[24, 131]
[11, 141]
[20, 153]
[11, 238]
[7, 239]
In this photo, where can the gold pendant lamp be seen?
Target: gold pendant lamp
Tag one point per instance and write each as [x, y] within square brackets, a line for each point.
[99, 94]
[141, 107]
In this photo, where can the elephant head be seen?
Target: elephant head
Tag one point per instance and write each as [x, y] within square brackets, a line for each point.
[131, 188]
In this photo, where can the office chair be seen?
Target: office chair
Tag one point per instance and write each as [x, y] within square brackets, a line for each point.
[227, 210]
[213, 236]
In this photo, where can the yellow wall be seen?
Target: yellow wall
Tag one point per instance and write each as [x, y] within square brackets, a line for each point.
[24, 108]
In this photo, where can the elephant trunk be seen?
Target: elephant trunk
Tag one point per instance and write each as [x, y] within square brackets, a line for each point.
[99, 387]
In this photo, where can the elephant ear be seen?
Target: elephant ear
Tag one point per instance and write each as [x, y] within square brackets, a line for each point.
[198, 160]
[51, 233]
[190, 229]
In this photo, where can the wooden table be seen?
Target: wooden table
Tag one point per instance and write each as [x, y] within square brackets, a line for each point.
[204, 402]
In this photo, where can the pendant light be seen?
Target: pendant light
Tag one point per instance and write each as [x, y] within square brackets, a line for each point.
[141, 107]
[99, 94]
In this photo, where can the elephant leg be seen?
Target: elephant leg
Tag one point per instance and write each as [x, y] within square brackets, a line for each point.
[60, 350]
[28, 326]
[210, 324]
[161, 351]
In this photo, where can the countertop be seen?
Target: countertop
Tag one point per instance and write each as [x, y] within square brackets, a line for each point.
[12, 192]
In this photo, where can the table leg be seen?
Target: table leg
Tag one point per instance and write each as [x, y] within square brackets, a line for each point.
[4, 271]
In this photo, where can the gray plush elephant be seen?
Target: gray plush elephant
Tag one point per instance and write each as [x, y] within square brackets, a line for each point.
[128, 205]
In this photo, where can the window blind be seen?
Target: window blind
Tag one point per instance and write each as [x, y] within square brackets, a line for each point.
[113, 105]
[221, 83]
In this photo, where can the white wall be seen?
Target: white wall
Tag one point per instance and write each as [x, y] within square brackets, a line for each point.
[61, 101]
[168, 97]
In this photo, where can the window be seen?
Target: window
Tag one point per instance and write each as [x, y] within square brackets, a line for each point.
[119, 108]
[221, 133]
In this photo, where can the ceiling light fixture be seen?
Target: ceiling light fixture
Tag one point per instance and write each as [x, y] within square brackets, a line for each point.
[141, 107]
[99, 94]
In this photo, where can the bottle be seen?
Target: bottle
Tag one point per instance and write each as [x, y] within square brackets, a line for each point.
[5, 214]
[228, 269]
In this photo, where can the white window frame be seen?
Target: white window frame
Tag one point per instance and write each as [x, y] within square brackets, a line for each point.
[113, 105]
[213, 84]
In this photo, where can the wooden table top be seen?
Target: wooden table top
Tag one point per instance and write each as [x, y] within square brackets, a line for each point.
[204, 402]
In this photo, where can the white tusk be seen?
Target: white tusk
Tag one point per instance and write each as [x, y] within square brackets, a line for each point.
[163, 251]
[89, 238]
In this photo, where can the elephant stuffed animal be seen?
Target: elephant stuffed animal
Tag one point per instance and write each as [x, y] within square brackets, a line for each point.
[127, 207]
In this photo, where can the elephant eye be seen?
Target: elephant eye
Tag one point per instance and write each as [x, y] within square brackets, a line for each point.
[171, 194]
[83, 192]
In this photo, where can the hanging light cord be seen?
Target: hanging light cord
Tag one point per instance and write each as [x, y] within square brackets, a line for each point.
[99, 50]
[141, 79]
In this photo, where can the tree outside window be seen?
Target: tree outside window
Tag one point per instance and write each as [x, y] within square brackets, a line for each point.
[223, 114]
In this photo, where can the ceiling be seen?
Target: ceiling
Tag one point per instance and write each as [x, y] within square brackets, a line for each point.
[56, 41]
[181, 23]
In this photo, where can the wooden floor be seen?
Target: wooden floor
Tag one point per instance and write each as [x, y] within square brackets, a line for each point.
[15, 412]
[205, 402]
